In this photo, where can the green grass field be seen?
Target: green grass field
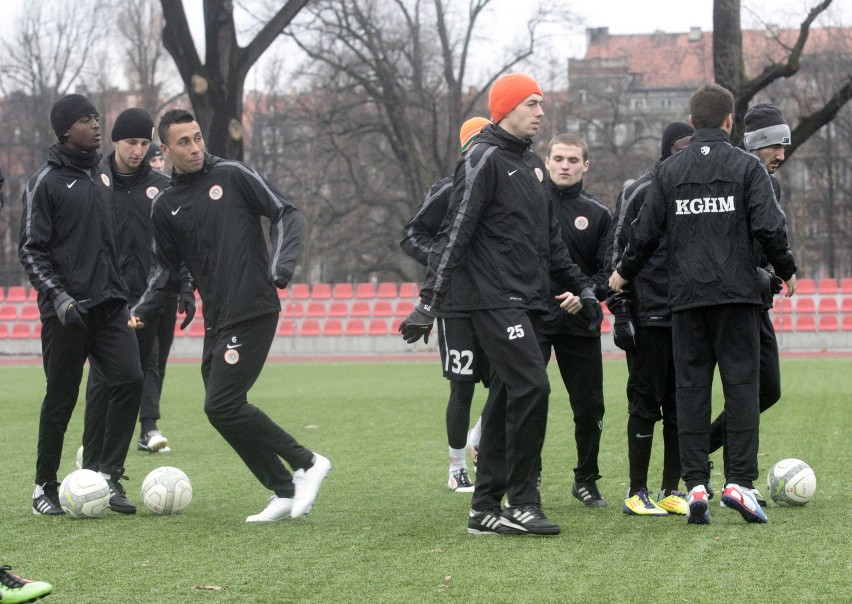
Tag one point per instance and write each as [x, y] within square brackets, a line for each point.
[386, 528]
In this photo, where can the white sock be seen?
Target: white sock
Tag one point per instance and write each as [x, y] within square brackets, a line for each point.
[457, 459]
[38, 491]
[104, 475]
[476, 433]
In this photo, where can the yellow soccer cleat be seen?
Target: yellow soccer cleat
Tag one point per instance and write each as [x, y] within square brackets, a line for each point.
[641, 504]
[674, 503]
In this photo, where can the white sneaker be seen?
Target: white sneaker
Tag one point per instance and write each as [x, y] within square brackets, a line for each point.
[278, 508]
[308, 484]
[152, 442]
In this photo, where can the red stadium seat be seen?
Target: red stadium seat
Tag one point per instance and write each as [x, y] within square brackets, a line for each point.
[286, 327]
[846, 324]
[606, 326]
[806, 286]
[2, 294]
[360, 308]
[827, 305]
[338, 309]
[300, 291]
[196, 329]
[342, 291]
[321, 291]
[365, 290]
[32, 295]
[409, 290]
[282, 294]
[310, 327]
[784, 305]
[805, 305]
[846, 305]
[37, 329]
[179, 333]
[377, 327]
[355, 327]
[805, 322]
[828, 323]
[846, 285]
[21, 331]
[4, 331]
[332, 327]
[29, 312]
[16, 293]
[387, 290]
[294, 310]
[403, 308]
[394, 330]
[783, 323]
[316, 310]
[8, 312]
[382, 308]
[605, 308]
[827, 285]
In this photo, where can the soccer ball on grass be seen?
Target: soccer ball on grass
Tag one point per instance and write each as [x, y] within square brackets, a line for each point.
[84, 494]
[166, 490]
[791, 482]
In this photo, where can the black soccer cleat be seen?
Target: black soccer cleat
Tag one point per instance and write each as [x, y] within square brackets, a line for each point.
[118, 501]
[488, 523]
[529, 520]
[47, 504]
[587, 492]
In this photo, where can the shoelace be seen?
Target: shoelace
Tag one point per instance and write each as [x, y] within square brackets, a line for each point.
[9, 580]
[116, 486]
[592, 488]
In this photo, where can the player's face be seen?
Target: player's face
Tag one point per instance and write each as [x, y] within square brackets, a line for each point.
[523, 121]
[185, 147]
[681, 144]
[158, 162]
[772, 157]
[129, 154]
[566, 165]
[84, 134]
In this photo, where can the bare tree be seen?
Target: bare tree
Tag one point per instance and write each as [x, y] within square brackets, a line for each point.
[730, 70]
[215, 84]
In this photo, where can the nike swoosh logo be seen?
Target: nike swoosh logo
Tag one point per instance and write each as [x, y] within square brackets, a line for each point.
[230, 346]
[643, 435]
[174, 212]
[71, 184]
[512, 172]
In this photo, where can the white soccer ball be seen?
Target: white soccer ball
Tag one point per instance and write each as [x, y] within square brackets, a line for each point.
[166, 490]
[84, 494]
[791, 482]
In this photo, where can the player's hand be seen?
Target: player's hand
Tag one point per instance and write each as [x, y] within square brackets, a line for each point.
[770, 283]
[69, 312]
[617, 282]
[792, 286]
[135, 322]
[624, 332]
[570, 303]
[417, 324]
[281, 283]
[591, 309]
[186, 304]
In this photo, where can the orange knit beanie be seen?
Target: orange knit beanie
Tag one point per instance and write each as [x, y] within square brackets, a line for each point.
[508, 92]
[469, 130]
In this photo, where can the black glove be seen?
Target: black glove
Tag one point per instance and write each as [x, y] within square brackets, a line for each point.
[186, 304]
[591, 309]
[417, 324]
[623, 331]
[601, 291]
[281, 283]
[70, 313]
[776, 283]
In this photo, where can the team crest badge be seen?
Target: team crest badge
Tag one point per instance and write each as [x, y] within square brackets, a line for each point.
[581, 223]
[215, 192]
[151, 192]
[232, 356]
[105, 179]
[705, 150]
[539, 174]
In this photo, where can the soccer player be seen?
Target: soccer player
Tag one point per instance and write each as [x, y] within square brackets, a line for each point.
[15, 589]
[500, 245]
[766, 136]
[711, 201]
[155, 158]
[643, 330]
[462, 359]
[69, 249]
[585, 221]
[210, 219]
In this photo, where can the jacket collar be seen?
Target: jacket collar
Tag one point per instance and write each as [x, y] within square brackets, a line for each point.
[710, 135]
[570, 192]
[185, 178]
[493, 134]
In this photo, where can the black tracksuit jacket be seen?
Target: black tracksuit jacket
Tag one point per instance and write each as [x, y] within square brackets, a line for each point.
[419, 234]
[501, 242]
[584, 220]
[68, 236]
[210, 220]
[712, 202]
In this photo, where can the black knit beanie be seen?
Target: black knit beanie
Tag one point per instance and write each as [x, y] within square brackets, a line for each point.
[765, 126]
[68, 110]
[133, 123]
[153, 151]
[673, 132]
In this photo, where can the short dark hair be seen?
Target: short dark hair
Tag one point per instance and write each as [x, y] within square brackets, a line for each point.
[710, 105]
[172, 116]
[569, 140]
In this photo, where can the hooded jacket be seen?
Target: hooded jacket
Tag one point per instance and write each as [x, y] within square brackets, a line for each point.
[68, 239]
[712, 202]
[210, 220]
[501, 242]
